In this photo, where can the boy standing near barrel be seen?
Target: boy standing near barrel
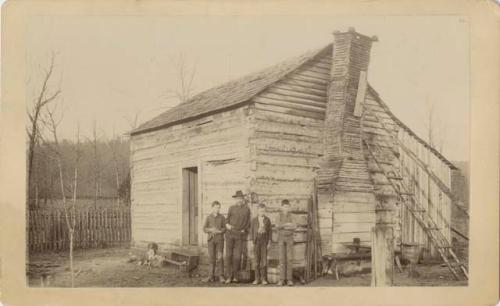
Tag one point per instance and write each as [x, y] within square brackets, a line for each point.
[286, 228]
[261, 235]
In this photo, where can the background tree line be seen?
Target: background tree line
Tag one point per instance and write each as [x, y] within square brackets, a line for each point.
[93, 167]
[103, 170]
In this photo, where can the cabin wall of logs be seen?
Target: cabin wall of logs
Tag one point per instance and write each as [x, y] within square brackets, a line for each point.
[216, 145]
[287, 144]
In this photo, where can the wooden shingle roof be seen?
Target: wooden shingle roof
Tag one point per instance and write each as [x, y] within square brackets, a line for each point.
[238, 92]
[229, 95]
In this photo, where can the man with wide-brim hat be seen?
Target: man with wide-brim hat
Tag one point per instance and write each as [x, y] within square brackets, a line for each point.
[237, 225]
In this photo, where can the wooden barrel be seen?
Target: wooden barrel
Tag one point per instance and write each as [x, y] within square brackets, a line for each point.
[411, 251]
[273, 275]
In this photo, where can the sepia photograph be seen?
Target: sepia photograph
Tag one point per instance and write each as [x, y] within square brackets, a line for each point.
[162, 148]
[227, 152]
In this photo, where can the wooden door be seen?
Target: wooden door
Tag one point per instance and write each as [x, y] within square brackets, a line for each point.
[190, 206]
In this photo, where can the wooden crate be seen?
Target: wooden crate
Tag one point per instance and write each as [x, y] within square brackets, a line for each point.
[190, 261]
[300, 236]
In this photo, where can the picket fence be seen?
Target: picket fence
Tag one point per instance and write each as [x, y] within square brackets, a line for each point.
[101, 228]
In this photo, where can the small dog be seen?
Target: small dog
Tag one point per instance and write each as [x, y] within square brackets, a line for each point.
[150, 258]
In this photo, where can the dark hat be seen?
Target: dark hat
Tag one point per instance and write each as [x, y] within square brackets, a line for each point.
[285, 202]
[238, 194]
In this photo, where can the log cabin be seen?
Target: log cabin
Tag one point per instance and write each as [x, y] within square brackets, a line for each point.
[309, 126]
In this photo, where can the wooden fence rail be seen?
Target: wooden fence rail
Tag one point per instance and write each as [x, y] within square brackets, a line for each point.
[47, 229]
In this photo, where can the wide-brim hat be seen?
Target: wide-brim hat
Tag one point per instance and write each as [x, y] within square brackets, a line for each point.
[238, 194]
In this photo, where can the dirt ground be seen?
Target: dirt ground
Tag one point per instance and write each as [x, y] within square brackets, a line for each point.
[109, 268]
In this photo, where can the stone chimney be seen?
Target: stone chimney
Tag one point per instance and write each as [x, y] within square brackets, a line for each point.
[346, 93]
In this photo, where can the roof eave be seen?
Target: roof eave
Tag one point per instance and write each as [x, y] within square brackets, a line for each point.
[187, 119]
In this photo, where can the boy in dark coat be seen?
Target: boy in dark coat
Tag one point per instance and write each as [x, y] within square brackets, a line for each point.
[215, 228]
[261, 235]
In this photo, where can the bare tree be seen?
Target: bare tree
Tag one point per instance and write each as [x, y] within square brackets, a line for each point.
[185, 75]
[436, 135]
[52, 123]
[96, 164]
[133, 121]
[114, 146]
[34, 113]
[70, 221]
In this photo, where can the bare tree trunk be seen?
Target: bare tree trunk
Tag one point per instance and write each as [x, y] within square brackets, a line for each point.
[34, 116]
[71, 227]
[36, 195]
[113, 146]
[71, 267]
[117, 183]
[69, 216]
[185, 76]
[435, 134]
[96, 166]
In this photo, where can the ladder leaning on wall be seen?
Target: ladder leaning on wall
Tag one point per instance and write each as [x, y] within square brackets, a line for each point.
[418, 212]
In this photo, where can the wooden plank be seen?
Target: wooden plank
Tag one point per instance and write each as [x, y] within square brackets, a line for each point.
[258, 135]
[361, 93]
[352, 227]
[284, 94]
[272, 171]
[312, 75]
[353, 207]
[323, 71]
[285, 159]
[288, 146]
[323, 65]
[291, 104]
[301, 79]
[270, 186]
[341, 217]
[271, 114]
[339, 238]
[185, 206]
[301, 87]
[288, 129]
[54, 231]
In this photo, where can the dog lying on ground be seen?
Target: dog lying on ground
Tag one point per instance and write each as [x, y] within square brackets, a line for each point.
[151, 258]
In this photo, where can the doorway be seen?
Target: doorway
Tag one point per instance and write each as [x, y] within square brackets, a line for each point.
[190, 206]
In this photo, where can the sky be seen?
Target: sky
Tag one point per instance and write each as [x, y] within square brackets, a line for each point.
[110, 68]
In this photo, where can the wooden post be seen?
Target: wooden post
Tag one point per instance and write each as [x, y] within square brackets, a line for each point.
[105, 226]
[53, 229]
[383, 242]
[382, 256]
[100, 229]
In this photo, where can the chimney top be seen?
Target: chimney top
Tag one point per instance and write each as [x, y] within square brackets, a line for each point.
[352, 30]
